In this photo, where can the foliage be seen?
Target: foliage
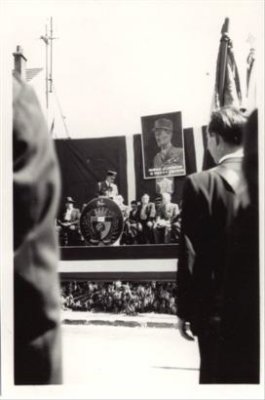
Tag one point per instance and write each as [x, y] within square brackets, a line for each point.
[119, 297]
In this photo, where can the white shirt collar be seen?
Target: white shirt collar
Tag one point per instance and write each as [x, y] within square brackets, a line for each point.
[237, 153]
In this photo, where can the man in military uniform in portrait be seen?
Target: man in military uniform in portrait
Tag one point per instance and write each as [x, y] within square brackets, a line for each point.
[168, 155]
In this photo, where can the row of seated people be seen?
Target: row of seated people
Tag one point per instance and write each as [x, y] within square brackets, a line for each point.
[145, 222]
[149, 222]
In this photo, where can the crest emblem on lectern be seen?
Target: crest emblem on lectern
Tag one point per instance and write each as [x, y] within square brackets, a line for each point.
[101, 222]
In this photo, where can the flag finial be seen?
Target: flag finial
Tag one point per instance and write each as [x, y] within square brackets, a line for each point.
[225, 26]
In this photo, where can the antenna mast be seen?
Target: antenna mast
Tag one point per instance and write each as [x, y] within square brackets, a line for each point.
[46, 41]
[48, 71]
[49, 86]
[51, 38]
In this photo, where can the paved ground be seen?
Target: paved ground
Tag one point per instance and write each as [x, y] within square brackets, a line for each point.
[149, 320]
[128, 362]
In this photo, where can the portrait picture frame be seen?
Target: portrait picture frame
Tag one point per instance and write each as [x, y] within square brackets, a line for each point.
[163, 146]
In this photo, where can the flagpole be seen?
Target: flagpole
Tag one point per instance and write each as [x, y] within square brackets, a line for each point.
[223, 58]
[51, 54]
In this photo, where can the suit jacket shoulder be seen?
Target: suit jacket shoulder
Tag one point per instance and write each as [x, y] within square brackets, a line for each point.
[226, 175]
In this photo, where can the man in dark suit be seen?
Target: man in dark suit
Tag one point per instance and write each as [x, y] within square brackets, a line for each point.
[147, 213]
[108, 187]
[133, 227]
[240, 347]
[36, 185]
[208, 207]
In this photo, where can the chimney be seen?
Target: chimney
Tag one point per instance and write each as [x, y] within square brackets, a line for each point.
[20, 62]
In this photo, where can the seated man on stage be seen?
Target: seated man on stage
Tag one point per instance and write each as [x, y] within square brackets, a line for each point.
[119, 200]
[133, 227]
[147, 214]
[166, 214]
[108, 187]
[176, 228]
[158, 203]
[69, 224]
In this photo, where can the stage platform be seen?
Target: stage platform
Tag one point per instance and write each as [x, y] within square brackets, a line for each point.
[136, 262]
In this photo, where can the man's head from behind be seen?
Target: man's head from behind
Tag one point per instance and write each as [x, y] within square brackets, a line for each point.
[163, 129]
[225, 131]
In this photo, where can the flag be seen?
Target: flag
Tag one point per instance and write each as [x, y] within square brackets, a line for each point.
[227, 89]
[32, 72]
[250, 66]
[251, 95]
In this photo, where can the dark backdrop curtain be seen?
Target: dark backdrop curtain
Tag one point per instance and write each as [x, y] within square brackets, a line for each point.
[148, 185]
[84, 162]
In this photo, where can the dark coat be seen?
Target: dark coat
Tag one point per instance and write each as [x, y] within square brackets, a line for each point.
[74, 217]
[209, 205]
[134, 216]
[240, 347]
[174, 156]
[110, 190]
[149, 213]
[36, 187]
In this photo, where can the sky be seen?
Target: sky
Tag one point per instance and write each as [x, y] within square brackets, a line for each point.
[115, 61]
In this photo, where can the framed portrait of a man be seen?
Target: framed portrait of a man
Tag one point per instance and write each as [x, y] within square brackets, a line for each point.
[163, 146]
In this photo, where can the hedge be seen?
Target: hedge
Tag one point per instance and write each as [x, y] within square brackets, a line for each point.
[119, 297]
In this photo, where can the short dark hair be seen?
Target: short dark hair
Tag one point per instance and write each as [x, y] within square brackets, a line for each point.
[228, 122]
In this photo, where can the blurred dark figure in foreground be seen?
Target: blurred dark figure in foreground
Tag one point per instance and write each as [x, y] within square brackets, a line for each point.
[239, 352]
[209, 205]
[36, 187]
